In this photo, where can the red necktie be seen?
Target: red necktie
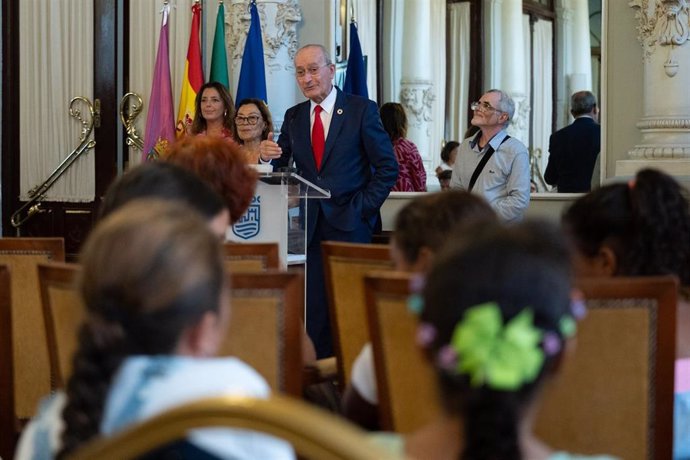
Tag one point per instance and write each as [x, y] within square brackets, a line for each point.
[318, 140]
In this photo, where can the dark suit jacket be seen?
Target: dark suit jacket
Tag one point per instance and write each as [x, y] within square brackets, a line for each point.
[573, 152]
[358, 166]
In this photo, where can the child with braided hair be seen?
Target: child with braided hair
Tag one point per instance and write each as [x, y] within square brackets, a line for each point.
[635, 229]
[157, 302]
[496, 317]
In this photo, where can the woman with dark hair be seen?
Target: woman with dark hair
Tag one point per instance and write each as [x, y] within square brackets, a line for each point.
[165, 181]
[253, 123]
[411, 174]
[634, 229]
[157, 304]
[421, 228]
[221, 164]
[495, 321]
[448, 154]
[214, 112]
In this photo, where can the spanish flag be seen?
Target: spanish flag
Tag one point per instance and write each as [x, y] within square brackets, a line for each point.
[193, 76]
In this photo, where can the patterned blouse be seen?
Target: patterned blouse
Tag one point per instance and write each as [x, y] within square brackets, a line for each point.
[411, 175]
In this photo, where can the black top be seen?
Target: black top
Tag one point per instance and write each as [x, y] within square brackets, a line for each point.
[573, 154]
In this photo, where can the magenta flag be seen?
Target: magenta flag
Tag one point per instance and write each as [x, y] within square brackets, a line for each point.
[160, 122]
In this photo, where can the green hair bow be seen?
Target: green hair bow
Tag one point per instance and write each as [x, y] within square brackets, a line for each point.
[502, 357]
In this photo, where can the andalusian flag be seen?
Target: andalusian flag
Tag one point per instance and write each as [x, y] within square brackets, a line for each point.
[252, 73]
[160, 122]
[193, 76]
[219, 58]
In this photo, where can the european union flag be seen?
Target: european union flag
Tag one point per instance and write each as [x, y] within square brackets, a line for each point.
[356, 75]
[252, 74]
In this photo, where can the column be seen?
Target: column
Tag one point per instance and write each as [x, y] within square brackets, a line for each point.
[514, 62]
[563, 31]
[665, 124]
[417, 91]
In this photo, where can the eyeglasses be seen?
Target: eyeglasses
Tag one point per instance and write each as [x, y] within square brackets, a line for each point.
[250, 120]
[484, 107]
[313, 71]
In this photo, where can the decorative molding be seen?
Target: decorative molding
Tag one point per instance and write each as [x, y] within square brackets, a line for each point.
[667, 151]
[522, 110]
[663, 23]
[282, 32]
[664, 123]
[417, 96]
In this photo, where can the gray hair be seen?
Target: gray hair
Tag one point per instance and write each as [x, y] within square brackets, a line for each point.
[324, 51]
[582, 102]
[505, 104]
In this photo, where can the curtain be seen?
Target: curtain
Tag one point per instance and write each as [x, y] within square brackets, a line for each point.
[543, 89]
[55, 65]
[392, 51]
[457, 102]
[144, 26]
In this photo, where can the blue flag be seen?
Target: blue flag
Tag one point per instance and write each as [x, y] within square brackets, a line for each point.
[356, 75]
[252, 73]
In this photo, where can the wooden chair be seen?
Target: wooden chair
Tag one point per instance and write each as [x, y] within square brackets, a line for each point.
[313, 433]
[614, 394]
[406, 381]
[265, 324]
[345, 265]
[63, 313]
[251, 257]
[30, 359]
[8, 427]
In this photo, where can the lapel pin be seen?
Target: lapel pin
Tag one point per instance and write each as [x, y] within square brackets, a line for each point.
[339, 111]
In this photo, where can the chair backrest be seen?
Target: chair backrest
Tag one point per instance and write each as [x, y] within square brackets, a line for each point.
[7, 419]
[614, 393]
[251, 257]
[265, 323]
[312, 432]
[63, 313]
[406, 382]
[30, 350]
[345, 265]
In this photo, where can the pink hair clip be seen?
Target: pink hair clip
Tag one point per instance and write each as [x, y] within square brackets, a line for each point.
[551, 343]
[447, 358]
[426, 334]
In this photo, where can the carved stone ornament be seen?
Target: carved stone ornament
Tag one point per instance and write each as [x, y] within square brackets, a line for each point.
[663, 23]
[418, 97]
[277, 33]
[642, 151]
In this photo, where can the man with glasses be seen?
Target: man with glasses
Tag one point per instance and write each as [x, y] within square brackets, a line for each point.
[337, 142]
[491, 163]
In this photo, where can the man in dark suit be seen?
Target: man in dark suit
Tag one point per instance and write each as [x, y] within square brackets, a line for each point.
[573, 150]
[337, 142]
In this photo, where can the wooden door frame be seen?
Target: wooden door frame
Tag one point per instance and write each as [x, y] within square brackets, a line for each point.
[107, 32]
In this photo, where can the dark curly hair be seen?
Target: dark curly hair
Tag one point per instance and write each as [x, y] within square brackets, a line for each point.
[199, 123]
[138, 299]
[524, 266]
[428, 221]
[646, 223]
[221, 164]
